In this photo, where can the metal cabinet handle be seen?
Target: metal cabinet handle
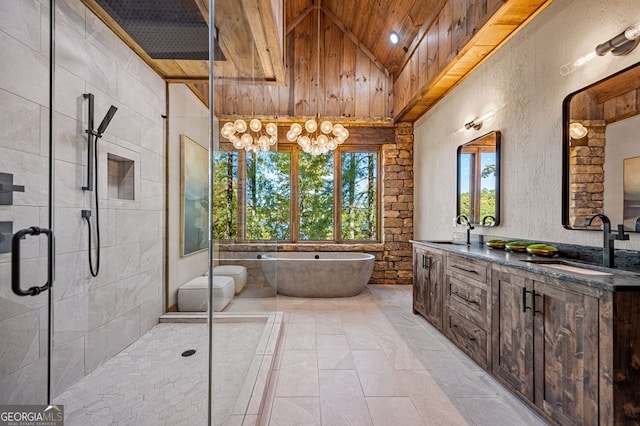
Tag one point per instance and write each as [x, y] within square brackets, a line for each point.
[15, 260]
[524, 299]
[535, 310]
[464, 269]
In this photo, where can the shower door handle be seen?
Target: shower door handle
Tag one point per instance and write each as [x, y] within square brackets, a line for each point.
[15, 260]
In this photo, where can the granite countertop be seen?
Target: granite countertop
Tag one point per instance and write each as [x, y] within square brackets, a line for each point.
[619, 280]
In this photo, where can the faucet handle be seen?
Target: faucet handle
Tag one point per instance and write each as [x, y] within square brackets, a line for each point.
[621, 234]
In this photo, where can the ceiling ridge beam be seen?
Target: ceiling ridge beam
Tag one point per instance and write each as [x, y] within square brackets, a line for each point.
[253, 14]
[338, 23]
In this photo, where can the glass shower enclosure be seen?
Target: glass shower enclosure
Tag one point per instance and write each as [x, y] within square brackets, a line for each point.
[93, 242]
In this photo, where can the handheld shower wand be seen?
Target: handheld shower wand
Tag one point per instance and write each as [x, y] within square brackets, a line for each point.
[92, 169]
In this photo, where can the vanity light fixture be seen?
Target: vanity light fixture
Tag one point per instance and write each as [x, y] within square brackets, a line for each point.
[477, 122]
[394, 38]
[622, 44]
[567, 69]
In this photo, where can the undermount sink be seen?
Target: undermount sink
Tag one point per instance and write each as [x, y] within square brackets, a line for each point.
[565, 266]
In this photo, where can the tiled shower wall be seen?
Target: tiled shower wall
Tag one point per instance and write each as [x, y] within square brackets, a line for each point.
[95, 318]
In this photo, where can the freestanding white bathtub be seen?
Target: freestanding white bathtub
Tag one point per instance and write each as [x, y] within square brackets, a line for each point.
[318, 274]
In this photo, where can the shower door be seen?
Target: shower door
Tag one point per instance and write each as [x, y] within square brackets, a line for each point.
[26, 203]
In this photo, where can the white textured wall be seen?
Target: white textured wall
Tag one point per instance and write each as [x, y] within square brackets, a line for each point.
[523, 84]
[95, 318]
[187, 116]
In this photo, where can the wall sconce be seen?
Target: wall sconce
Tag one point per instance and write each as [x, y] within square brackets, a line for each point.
[577, 131]
[622, 44]
[477, 122]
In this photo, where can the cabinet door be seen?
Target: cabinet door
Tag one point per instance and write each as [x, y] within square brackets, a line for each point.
[566, 361]
[420, 281]
[512, 330]
[427, 288]
[434, 289]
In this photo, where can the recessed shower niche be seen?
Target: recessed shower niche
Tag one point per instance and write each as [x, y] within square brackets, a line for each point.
[120, 172]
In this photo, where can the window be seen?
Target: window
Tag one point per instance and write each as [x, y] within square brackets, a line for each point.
[268, 200]
[225, 195]
[359, 195]
[315, 196]
[289, 195]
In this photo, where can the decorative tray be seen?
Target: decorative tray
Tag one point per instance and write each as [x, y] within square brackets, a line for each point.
[496, 244]
[520, 246]
[542, 250]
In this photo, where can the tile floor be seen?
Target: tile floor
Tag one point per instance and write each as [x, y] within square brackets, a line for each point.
[365, 360]
[150, 383]
[368, 360]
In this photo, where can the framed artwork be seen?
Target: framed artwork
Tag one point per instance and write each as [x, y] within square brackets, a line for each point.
[632, 193]
[194, 186]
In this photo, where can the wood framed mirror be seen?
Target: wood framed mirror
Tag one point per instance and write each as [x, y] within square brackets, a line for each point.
[478, 185]
[601, 152]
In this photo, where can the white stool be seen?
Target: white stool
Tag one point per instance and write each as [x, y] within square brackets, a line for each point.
[237, 272]
[193, 295]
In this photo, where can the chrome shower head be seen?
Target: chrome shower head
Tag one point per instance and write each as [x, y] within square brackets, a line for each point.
[106, 120]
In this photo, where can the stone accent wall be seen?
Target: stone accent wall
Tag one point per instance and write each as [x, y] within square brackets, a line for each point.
[587, 174]
[396, 265]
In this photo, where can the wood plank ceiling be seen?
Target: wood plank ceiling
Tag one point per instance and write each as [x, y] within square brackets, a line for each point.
[466, 33]
[371, 22]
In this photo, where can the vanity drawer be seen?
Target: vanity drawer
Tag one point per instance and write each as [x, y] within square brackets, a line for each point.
[469, 300]
[475, 269]
[467, 336]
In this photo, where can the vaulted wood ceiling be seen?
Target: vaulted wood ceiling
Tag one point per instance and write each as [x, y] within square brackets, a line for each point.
[441, 42]
[370, 22]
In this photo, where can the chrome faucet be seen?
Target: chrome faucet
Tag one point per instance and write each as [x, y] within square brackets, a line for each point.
[469, 226]
[608, 238]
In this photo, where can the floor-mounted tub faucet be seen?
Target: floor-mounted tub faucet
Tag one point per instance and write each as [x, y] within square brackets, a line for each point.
[608, 238]
[469, 226]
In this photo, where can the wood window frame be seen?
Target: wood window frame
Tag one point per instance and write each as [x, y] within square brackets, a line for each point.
[295, 150]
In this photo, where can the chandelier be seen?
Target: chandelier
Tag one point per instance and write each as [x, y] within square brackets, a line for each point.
[315, 138]
[252, 138]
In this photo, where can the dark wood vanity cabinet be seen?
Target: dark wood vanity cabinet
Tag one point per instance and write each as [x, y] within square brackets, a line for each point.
[427, 285]
[570, 350]
[545, 344]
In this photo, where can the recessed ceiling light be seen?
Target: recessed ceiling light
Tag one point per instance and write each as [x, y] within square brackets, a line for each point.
[394, 37]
